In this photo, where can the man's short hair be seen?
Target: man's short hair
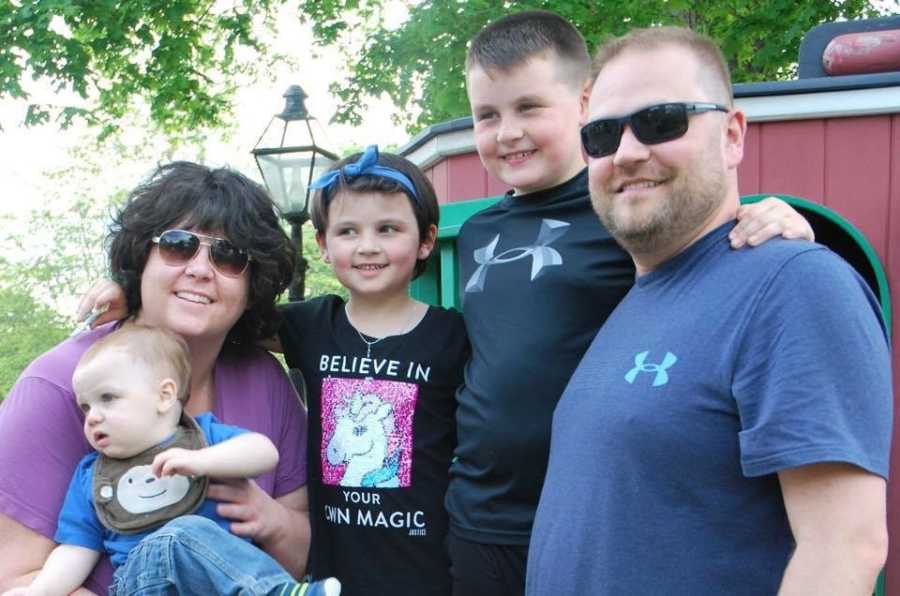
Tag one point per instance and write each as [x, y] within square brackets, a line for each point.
[510, 41]
[715, 69]
[160, 349]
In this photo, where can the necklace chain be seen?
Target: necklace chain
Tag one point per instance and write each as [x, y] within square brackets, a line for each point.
[371, 342]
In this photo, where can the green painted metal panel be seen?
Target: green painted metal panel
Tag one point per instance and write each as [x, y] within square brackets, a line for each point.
[440, 283]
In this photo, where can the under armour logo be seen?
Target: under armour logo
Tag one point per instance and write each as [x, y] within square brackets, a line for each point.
[541, 255]
[640, 365]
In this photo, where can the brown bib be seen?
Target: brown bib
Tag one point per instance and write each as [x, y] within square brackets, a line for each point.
[129, 499]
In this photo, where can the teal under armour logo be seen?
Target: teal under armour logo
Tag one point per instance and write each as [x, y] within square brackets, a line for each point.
[661, 378]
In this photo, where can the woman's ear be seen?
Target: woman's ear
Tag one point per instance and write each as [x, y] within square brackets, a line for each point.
[427, 243]
[323, 251]
[168, 395]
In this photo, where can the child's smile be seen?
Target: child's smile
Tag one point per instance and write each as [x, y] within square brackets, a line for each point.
[372, 242]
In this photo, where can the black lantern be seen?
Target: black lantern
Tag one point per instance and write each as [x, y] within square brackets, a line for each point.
[289, 160]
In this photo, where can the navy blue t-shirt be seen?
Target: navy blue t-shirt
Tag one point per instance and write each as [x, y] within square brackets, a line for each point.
[718, 370]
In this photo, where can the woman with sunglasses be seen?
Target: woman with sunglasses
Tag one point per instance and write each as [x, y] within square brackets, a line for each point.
[199, 252]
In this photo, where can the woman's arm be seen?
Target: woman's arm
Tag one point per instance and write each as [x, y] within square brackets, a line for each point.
[63, 572]
[36, 469]
[278, 526]
[22, 553]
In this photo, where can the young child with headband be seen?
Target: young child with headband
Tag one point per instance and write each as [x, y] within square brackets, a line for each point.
[382, 371]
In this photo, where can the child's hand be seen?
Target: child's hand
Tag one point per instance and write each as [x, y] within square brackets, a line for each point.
[103, 294]
[766, 219]
[186, 462]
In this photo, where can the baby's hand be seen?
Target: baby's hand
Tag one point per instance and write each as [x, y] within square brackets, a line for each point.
[24, 591]
[759, 222]
[186, 462]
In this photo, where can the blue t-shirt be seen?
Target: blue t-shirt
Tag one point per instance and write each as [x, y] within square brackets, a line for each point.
[79, 524]
[718, 370]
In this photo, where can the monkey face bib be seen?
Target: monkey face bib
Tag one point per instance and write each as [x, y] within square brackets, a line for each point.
[129, 499]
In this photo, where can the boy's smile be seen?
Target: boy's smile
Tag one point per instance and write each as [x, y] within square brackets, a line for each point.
[526, 123]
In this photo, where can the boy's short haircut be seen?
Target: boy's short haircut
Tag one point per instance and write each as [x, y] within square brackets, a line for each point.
[716, 75]
[510, 41]
[165, 352]
[425, 206]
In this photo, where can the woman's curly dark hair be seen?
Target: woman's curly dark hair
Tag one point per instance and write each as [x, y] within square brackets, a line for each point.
[187, 195]
[425, 207]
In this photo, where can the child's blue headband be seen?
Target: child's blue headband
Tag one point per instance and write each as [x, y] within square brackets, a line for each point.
[366, 165]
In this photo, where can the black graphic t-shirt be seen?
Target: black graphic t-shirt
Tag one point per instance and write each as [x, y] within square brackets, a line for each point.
[381, 436]
[539, 274]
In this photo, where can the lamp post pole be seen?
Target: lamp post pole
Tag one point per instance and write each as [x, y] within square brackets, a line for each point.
[289, 159]
[297, 289]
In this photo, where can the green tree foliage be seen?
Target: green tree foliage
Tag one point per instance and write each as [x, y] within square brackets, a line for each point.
[319, 277]
[180, 56]
[27, 329]
[60, 253]
[419, 64]
[60, 249]
[183, 58]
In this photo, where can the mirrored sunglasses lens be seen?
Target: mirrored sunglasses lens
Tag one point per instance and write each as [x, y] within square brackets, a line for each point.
[178, 246]
[658, 124]
[228, 258]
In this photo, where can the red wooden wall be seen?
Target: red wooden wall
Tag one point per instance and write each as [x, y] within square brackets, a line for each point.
[462, 177]
[851, 165]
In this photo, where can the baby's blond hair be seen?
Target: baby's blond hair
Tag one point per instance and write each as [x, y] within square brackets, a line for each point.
[165, 352]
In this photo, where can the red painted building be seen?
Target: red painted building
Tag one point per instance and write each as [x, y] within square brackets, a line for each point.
[832, 140]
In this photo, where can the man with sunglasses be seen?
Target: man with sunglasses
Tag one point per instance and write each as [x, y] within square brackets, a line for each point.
[728, 430]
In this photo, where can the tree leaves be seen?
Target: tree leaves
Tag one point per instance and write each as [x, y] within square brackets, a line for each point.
[420, 64]
[27, 329]
[176, 55]
[181, 56]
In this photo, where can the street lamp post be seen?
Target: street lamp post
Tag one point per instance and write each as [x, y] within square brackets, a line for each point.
[289, 160]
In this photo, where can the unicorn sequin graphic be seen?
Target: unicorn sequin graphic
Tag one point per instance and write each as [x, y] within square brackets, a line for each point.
[367, 432]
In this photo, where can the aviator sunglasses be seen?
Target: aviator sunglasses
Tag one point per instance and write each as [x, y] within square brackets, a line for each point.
[177, 247]
[655, 124]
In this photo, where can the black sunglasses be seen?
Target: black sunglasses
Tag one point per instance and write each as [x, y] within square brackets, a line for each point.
[177, 247]
[655, 124]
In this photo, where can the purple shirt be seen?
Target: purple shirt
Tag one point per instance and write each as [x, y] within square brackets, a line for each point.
[43, 439]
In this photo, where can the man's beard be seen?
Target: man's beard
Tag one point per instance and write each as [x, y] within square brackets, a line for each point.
[676, 218]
